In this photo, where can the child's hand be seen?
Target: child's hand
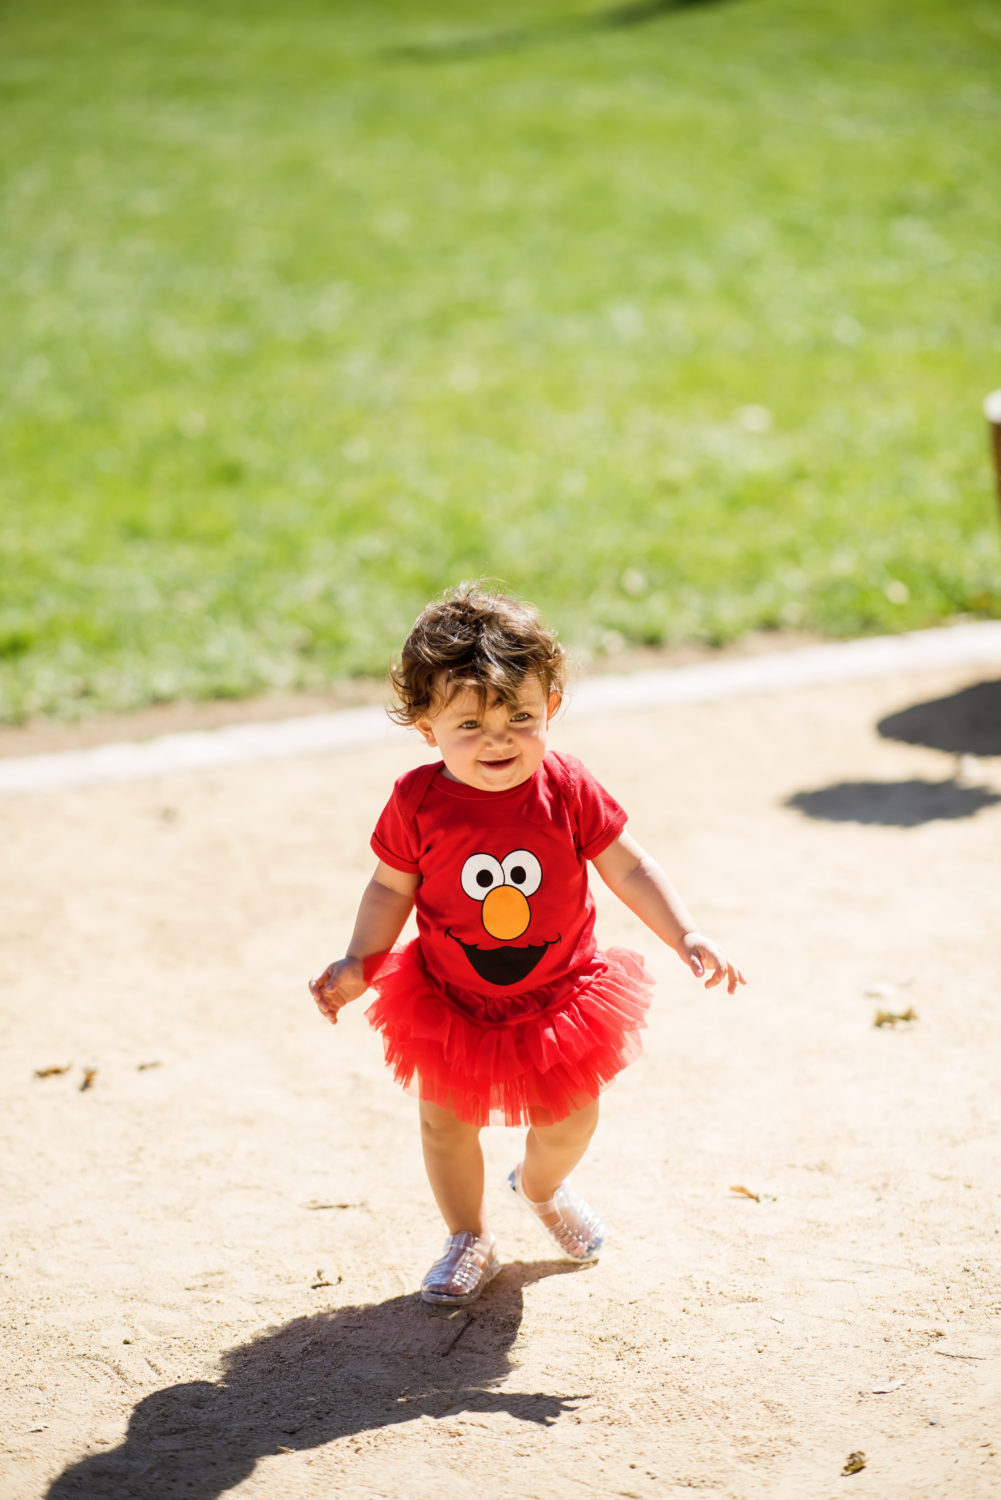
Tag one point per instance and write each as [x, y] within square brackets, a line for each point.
[340, 982]
[700, 954]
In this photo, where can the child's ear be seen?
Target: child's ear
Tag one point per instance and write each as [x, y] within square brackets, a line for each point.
[423, 727]
[554, 702]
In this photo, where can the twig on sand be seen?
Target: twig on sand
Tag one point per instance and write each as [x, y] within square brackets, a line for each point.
[456, 1336]
[315, 1206]
[948, 1354]
[322, 1281]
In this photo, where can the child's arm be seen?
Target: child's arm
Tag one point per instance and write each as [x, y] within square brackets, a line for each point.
[640, 883]
[385, 906]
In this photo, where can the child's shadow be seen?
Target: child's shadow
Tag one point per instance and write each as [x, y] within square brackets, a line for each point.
[314, 1380]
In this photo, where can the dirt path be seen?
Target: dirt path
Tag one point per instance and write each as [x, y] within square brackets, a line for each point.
[211, 1252]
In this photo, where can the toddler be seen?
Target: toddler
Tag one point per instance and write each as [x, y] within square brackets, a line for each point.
[502, 1009]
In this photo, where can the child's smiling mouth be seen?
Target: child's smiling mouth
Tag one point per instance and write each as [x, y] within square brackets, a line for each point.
[499, 765]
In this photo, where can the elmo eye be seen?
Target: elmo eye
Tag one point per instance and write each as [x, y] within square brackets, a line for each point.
[523, 871]
[480, 874]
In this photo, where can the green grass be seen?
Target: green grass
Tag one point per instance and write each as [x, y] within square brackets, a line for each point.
[309, 310]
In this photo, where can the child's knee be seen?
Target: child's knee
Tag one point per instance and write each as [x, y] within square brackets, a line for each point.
[439, 1127]
[573, 1130]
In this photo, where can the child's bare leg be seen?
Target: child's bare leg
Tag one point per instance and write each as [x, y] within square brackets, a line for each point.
[552, 1152]
[453, 1159]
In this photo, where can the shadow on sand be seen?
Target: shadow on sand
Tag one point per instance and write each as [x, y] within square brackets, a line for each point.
[560, 28]
[315, 1380]
[893, 804]
[964, 723]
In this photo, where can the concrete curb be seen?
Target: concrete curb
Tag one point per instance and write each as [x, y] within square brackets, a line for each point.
[967, 645]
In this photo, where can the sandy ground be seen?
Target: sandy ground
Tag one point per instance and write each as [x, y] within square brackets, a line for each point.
[211, 1253]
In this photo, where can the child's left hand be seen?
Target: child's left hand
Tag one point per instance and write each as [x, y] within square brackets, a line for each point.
[701, 954]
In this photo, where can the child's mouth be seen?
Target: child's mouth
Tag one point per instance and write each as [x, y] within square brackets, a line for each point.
[498, 765]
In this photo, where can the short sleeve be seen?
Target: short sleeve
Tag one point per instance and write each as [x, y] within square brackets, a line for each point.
[394, 839]
[598, 818]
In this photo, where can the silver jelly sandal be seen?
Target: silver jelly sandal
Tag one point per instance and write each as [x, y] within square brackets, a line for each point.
[578, 1231]
[467, 1265]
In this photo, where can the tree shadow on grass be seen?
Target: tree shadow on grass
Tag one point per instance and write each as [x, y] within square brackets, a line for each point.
[965, 723]
[893, 804]
[560, 28]
[317, 1379]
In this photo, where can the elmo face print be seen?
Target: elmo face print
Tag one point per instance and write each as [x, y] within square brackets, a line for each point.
[503, 888]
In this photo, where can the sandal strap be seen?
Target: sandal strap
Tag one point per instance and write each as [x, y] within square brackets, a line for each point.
[578, 1230]
[540, 1208]
[467, 1264]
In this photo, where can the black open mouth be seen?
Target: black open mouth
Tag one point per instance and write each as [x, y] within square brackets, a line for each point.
[502, 965]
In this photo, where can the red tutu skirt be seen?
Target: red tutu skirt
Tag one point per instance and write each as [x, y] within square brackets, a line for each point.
[515, 1059]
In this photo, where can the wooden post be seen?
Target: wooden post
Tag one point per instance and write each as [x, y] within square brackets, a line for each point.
[992, 411]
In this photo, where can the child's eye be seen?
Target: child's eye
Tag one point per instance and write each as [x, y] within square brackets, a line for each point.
[520, 718]
[469, 724]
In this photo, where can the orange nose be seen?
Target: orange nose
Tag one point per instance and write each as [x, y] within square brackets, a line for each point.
[506, 913]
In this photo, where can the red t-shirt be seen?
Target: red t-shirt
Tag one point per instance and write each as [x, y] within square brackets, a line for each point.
[503, 905]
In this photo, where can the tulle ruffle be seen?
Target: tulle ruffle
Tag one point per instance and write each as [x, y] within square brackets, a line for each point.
[521, 1059]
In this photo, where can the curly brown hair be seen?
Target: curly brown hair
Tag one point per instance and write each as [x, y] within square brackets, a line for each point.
[474, 637]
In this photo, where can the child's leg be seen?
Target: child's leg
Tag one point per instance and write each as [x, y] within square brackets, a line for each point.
[552, 1152]
[453, 1159]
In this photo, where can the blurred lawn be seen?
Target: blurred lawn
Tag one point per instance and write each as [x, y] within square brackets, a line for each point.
[679, 320]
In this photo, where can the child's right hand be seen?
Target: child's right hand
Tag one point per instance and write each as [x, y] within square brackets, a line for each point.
[340, 982]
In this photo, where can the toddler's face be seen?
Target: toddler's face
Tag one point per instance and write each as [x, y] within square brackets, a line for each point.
[494, 746]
